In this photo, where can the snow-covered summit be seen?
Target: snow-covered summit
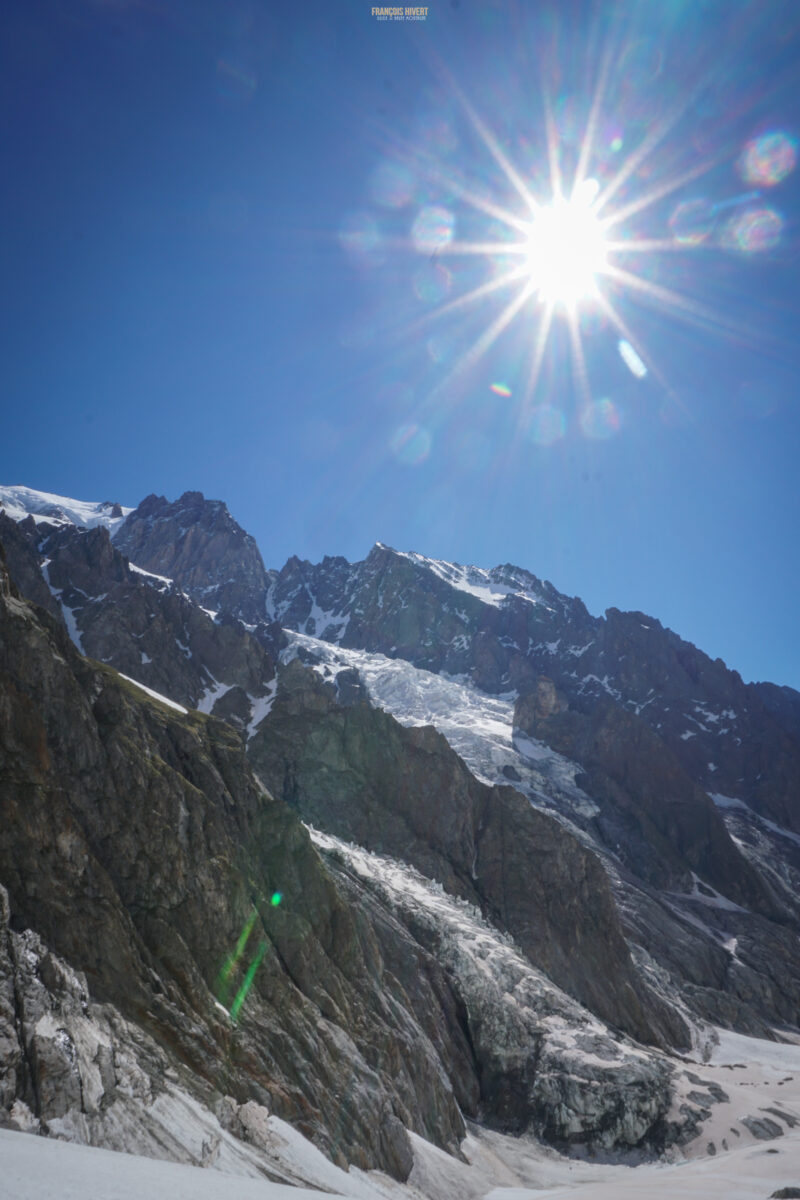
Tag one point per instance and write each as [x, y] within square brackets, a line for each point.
[20, 502]
[491, 586]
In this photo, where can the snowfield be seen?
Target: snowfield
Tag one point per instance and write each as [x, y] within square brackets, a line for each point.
[21, 502]
[35, 1168]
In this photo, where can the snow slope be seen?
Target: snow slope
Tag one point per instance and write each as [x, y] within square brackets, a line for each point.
[20, 502]
[156, 695]
[35, 1168]
[491, 586]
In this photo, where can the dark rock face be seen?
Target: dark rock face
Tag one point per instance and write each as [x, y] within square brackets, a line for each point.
[20, 541]
[197, 543]
[651, 811]
[143, 627]
[137, 843]
[531, 708]
[541, 1063]
[356, 772]
[655, 726]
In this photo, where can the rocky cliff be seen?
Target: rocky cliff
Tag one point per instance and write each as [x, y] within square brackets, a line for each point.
[143, 862]
[138, 845]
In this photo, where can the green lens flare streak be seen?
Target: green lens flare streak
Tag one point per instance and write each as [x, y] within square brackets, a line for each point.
[223, 982]
[232, 961]
[241, 995]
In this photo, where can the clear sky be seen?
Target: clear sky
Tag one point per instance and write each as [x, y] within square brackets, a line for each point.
[305, 260]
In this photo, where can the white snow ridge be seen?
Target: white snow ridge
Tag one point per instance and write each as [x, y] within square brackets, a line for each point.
[21, 502]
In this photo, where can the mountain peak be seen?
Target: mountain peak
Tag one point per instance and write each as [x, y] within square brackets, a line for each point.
[197, 543]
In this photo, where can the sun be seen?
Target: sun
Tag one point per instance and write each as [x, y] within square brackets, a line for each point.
[566, 249]
[566, 241]
[559, 240]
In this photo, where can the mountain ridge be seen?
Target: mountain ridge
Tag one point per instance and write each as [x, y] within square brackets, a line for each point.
[619, 804]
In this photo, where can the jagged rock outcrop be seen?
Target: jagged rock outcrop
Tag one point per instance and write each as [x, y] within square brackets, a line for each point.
[533, 707]
[145, 628]
[79, 1071]
[197, 543]
[20, 540]
[543, 1064]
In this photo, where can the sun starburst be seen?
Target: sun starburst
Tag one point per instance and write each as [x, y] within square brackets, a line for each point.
[539, 233]
[571, 246]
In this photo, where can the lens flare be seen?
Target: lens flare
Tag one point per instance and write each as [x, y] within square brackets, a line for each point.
[631, 359]
[753, 232]
[546, 425]
[692, 222]
[247, 983]
[231, 962]
[600, 420]
[433, 229]
[580, 222]
[411, 444]
[768, 159]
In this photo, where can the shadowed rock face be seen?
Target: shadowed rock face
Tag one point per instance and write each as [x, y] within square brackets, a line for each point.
[142, 626]
[531, 708]
[651, 812]
[197, 543]
[356, 772]
[20, 541]
[137, 843]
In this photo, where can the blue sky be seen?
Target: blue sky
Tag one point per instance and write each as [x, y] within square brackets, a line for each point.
[229, 229]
